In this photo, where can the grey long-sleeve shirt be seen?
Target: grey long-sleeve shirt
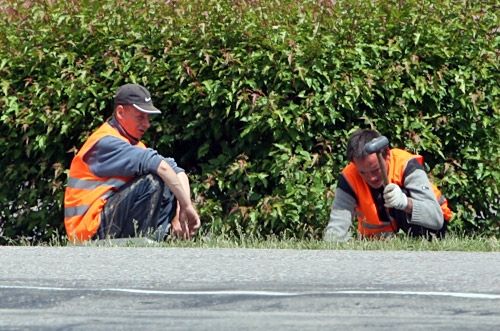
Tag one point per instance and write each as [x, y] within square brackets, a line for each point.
[112, 156]
[426, 210]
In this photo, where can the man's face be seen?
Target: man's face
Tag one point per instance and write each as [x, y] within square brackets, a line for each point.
[369, 170]
[135, 122]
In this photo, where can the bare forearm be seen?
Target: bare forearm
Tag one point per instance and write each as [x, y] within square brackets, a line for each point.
[175, 183]
[184, 182]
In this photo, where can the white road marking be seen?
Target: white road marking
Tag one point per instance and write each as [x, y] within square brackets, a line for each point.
[447, 294]
[260, 293]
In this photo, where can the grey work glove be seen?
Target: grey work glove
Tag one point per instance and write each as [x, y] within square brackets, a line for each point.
[394, 197]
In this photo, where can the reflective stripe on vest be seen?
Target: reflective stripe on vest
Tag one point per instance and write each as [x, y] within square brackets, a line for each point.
[82, 209]
[92, 184]
[371, 226]
[75, 211]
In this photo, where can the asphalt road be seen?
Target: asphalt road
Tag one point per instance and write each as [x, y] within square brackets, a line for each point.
[118, 288]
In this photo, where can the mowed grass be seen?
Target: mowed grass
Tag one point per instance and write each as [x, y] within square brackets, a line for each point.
[401, 242]
[451, 243]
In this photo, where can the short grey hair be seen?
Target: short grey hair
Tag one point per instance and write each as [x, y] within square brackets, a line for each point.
[357, 142]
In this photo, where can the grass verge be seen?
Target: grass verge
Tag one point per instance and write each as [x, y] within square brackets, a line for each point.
[451, 243]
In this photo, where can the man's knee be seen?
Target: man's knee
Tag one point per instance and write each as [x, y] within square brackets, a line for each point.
[154, 182]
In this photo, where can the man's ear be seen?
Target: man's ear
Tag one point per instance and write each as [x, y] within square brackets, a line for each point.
[387, 153]
[119, 111]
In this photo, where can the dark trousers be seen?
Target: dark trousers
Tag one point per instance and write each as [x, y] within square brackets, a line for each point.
[414, 230]
[143, 207]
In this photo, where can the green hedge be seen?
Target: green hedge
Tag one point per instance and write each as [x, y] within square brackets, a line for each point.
[259, 98]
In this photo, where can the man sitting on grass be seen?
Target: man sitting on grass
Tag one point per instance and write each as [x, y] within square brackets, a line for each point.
[118, 188]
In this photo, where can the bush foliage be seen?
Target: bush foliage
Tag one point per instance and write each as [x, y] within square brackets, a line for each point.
[259, 98]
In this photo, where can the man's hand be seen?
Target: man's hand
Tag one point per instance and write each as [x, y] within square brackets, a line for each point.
[176, 229]
[181, 227]
[394, 197]
[189, 221]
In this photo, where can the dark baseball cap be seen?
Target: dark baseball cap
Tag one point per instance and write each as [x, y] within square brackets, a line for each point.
[137, 96]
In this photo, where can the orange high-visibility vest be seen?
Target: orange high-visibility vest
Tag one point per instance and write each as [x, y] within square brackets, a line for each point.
[369, 223]
[86, 193]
